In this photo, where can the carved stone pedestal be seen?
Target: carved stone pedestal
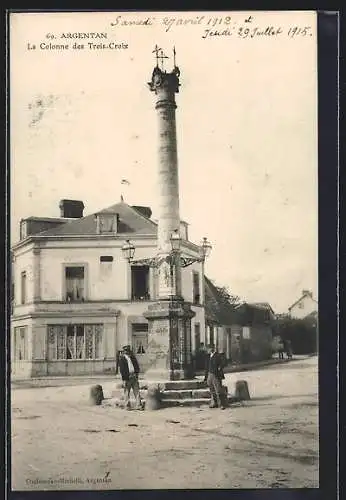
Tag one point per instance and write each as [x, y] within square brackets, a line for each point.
[169, 340]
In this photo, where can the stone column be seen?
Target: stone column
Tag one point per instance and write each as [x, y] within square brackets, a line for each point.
[165, 85]
[169, 320]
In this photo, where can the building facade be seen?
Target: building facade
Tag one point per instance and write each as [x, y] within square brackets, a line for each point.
[305, 306]
[77, 301]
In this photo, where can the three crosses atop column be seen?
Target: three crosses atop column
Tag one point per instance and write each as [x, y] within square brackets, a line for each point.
[161, 56]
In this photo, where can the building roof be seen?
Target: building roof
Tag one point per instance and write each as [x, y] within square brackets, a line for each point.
[262, 305]
[216, 309]
[131, 221]
[305, 294]
[255, 312]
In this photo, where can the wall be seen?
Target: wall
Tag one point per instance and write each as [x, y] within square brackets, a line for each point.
[187, 281]
[259, 346]
[199, 318]
[236, 343]
[104, 281]
[24, 261]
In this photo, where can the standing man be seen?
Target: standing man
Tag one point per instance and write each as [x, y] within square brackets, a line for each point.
[213, 377]
[129, 370]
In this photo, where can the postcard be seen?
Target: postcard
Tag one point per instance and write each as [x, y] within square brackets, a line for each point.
[164, 221]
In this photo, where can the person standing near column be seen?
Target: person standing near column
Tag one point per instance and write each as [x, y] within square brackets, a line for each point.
[129, 370]
[213, 376]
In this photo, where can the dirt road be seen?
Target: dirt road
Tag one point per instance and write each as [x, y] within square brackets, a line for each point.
[59, 442]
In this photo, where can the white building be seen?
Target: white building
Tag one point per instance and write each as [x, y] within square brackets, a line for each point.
[305, 306]
[77, 301]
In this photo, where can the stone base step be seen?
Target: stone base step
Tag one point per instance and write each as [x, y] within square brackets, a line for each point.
[178, 395]
[185, 394]
[169, 403]
[174, 385]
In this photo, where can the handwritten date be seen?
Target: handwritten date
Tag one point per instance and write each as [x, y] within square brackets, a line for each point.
[247, 31]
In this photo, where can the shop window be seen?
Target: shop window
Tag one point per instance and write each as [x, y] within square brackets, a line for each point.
[67, 342]
[20, 347]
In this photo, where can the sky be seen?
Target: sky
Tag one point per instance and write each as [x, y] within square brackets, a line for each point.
[81, 120]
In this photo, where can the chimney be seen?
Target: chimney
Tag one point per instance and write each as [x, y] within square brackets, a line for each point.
[146, 211]
[307, 292]
[71, 209]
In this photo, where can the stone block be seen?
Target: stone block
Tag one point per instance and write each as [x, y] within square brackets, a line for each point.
[153, 399]
[96, 395]
[242, 390]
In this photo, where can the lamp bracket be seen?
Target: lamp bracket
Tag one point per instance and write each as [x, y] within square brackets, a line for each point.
[156, 261]
[187, 261]
[151, 262]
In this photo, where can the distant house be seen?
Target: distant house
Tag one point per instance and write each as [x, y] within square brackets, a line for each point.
[243, 332]
[305, 306]
[257, 322]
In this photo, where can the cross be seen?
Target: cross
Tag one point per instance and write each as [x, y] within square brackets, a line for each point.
[162, 57]
[156, 50]
[174, 53]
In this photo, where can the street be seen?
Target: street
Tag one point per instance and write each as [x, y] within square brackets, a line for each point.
[60, 442]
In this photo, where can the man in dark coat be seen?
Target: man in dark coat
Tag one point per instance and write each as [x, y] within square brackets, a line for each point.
[129, 370]
[213, 376]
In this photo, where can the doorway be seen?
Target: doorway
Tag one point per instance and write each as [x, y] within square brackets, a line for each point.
[140, 344]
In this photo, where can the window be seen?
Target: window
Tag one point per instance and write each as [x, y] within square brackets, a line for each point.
[140, 282]
[246, 332]
[107, 223]
[74, 277]
[196, 290]
[197, 336]
[68, 342]
[20, 348]
[23, 287]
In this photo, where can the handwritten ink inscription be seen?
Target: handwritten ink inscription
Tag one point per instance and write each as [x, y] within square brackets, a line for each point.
[232, 26]
[226, 27]
[220, 26]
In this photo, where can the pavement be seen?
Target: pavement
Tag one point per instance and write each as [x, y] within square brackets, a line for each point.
[60, 442]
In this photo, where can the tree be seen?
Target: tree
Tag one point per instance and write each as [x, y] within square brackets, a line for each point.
[301, 332]
[226, 296]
